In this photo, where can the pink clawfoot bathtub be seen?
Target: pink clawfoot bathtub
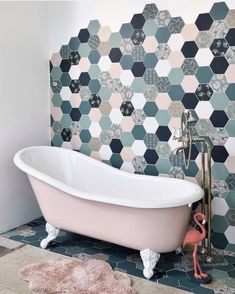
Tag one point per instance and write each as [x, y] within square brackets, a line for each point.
[82, 195]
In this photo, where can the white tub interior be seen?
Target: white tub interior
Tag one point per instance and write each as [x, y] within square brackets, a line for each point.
[85, 177]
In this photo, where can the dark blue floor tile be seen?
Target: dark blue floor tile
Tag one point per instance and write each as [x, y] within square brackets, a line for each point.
[177, 274]
[169, 281]
[201, 290]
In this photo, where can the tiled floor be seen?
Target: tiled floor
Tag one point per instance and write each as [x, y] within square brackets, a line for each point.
[16, 255]
[172, 270]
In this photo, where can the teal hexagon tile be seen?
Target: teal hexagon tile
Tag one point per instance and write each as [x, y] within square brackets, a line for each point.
[94, 86]
[219, 171]
[74, 43]
[219, 10]
[105, 123]
[219, 101]
[163, 117]
[138, 132]
[219, 223]
[116, 160]
[85, 136]
[127, 139]
[85, 107]
[150, 109]
[230, 127]
[105, 92]
[94, 71]
[126, 30]
[56, 73]
[163, 34]
[151, 170]
[84, 49]
[138, 85]
[85, 149]
[204, 74]
[176, 92]
[66, 121]
[230, 199]
[192, 170]
[93, 27]
[163, 165]
[230, 92]
[115, 40]
[56, 100]
[176, 76]
[85, 122]
[57, 140]
[65, 79]
[150, 27]
[126, 62]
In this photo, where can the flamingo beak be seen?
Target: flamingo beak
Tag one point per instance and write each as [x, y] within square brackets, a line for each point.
[203, 222]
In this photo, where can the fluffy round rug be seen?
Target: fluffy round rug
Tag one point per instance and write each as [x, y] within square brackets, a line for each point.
[72, 276]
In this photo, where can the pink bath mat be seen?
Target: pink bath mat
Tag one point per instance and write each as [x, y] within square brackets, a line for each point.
[72, 276]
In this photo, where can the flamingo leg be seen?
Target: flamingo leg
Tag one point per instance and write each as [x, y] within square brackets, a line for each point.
[203, 275]
[195, 262]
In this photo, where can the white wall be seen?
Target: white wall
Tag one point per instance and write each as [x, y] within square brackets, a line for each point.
[66, 18]
[24, 102]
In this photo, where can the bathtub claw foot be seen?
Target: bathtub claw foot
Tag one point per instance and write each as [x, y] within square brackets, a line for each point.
[52, 234]
[149, 258]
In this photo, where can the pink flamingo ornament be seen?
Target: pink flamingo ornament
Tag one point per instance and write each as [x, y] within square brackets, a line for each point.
[194, 236]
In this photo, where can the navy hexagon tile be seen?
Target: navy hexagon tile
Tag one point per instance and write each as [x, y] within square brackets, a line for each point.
[127, 89]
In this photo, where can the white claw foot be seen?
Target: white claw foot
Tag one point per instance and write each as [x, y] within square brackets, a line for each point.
[52, 234]
[178, 250]
[149, 258]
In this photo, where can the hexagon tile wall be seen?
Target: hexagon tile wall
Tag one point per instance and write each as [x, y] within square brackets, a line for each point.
[117, 95]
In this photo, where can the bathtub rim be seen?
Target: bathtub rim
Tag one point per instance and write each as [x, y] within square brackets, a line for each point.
[197, 194]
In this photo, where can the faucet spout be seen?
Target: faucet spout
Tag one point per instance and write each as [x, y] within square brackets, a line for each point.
[178, 149]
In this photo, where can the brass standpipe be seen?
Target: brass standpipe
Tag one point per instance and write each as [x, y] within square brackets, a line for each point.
[185, 136]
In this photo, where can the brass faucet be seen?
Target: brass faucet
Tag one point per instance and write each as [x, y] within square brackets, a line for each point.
[184, 135]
